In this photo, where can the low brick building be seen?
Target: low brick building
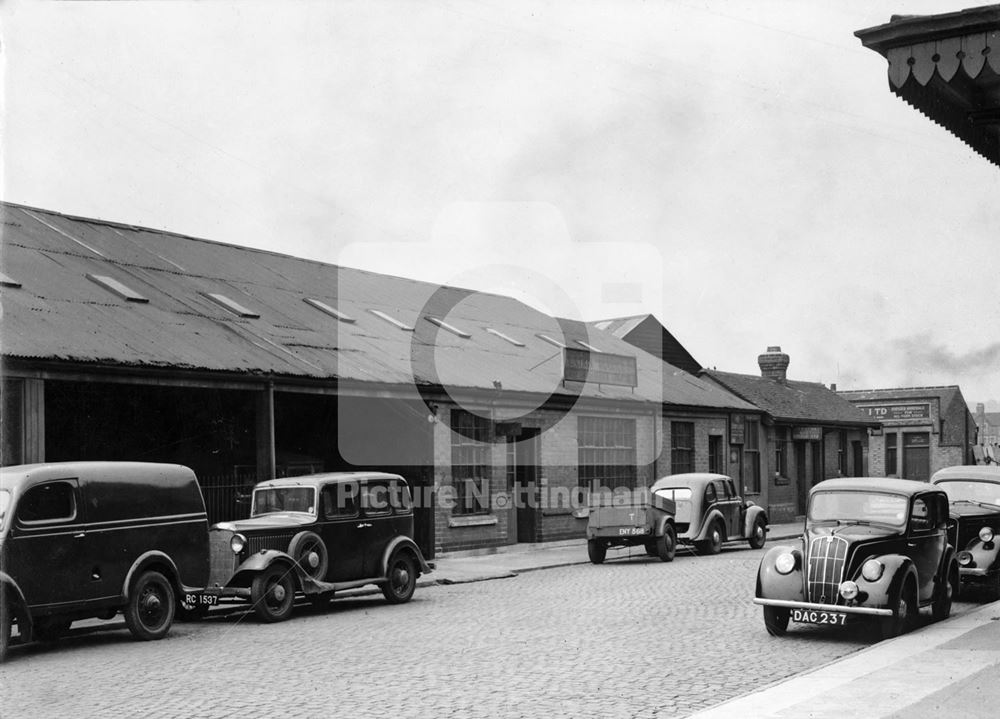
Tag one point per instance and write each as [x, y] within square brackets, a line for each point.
[923, 429]
[807, 434]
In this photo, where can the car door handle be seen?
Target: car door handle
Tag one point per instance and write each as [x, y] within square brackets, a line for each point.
[363, 525]
[79, 535]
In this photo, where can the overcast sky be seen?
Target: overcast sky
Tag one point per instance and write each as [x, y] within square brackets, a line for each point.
[740, 170]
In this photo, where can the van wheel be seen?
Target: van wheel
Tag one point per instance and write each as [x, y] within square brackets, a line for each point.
[776, 621]
[308, 550]
[596, 551]
[273, 593]
[666, 546]
[49, 629]
[401, 578]
[758, 533]
[151, 606]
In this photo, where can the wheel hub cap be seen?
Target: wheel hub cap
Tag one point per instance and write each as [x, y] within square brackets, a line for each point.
[278, 593]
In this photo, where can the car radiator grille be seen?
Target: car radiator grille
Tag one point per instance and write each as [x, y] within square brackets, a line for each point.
[827, 556]
[968, 530]
[257, 542]
[222, 559]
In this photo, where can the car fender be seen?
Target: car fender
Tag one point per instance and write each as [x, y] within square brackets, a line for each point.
[264, 559]
[162, 562]
[773, 585]
[985, 555]
[399, 543]
[19, 604]
[661, 526]
[897, 569]
[713, 515]
[753, 512]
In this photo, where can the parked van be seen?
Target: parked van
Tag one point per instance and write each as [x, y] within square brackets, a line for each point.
[91, 539]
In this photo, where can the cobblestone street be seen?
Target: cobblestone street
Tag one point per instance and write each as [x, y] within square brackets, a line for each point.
[634, 638]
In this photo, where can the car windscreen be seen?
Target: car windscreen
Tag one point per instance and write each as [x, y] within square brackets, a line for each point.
[269, 500]
[971, 490]
[848, 507]
[678, 494]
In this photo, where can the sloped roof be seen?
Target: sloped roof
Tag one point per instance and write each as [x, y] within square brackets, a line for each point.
[648, 333]
[792, 400]
[55, 312]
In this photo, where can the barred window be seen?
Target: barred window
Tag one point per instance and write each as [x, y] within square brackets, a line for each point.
[606, 453]
[681, 447]
[470, 462]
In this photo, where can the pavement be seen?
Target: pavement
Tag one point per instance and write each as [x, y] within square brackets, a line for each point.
[511, 560]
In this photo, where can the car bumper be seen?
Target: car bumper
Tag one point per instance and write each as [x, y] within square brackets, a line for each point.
[788, 604]
[975, 574]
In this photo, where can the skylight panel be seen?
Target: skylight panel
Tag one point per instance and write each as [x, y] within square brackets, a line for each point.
[327, 309]
[6, 281]
[451, 328]
[502, 336]
[113, 285]
[588, 346]
[232, 305]
[391, 320]
[552, 341]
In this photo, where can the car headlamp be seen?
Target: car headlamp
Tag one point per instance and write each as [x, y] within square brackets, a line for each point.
[237, 542]
[872, 570]
[848, 590]
[986, 534]
[965, 559]
[785, 563]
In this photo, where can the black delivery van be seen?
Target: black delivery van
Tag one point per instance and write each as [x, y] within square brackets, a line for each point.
[91, 539]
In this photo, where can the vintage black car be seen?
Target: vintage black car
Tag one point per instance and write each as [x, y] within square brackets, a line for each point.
[872, 547]
[315, 535]
[90, 539]
[974, 494]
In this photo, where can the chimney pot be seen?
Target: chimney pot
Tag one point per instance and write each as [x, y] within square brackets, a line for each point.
[773, 364]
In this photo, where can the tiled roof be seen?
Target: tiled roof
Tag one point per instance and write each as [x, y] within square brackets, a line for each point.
[946, 393]
[65, 281]
[792, 400]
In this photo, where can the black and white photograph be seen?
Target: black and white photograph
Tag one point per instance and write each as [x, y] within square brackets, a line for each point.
[465, 358]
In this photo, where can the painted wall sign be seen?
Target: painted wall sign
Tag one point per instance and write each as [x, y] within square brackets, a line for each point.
[599, 368]
[891, 412]
[811, 434]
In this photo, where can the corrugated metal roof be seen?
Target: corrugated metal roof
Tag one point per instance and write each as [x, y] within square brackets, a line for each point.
[59, 314]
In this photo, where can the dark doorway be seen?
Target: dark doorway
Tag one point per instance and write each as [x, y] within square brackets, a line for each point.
[917, 456]
[818, 473]
[857, 459]
[526, 450]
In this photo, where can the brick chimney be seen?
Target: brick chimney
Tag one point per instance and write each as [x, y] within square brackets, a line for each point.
[773, 364]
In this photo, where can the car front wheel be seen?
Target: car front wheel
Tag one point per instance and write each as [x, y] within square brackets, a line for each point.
[273, 593]
[904, 608]
[151, 606]
[712, 544]
[597, 551]
[776, 621]
[946, 594]
[401, 578]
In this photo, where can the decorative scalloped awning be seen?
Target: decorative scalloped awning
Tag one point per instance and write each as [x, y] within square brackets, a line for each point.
[948, 67]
